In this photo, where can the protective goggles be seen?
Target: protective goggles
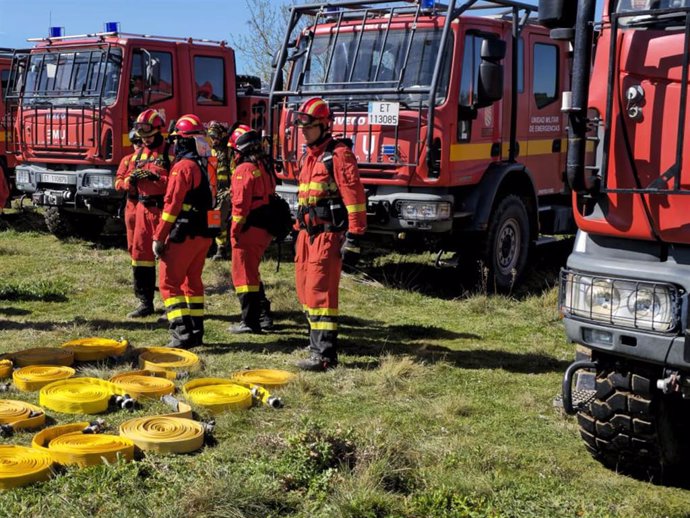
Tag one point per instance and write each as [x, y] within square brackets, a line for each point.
[304, 119]
[143, 127]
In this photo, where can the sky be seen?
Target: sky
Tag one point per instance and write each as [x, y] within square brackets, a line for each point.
[209, 19]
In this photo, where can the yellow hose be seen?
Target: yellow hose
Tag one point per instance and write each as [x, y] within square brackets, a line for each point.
[217, 394]
[168, 360]
[42, 356]
[95, 349]
[68, 444]
[143, 383]
[33, 377]
[21, 415]
[20, 466]
[6, 368]
[270, 378]
[79, 395]
[170, 433]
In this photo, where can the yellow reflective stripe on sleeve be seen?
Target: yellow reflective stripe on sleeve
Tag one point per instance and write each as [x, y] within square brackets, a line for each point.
[322, 311]
[238, 219]
[174, 300]
[148, 264]
[323, 326]
[169, 218]
[246, 289]
[358, 207]
[318, 186]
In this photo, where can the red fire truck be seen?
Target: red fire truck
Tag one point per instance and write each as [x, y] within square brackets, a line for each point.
[78, 100]
[7, 160]
[624, 293]
[454, 117]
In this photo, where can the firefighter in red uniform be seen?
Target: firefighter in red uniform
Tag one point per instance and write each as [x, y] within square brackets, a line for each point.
[149, 176]
[331, 219]
[4, 190]
[182, 238]
[122, 184]
[252, 185]
[218, 134]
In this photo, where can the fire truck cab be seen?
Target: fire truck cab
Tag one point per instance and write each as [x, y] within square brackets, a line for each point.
[7, 110]
[454, 117]
[624, 293]
[78, 100]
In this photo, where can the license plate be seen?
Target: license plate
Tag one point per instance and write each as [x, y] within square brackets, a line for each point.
[383, 113]
[55, 178]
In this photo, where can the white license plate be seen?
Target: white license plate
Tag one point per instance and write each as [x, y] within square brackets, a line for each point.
[383, 113]
[55, 178]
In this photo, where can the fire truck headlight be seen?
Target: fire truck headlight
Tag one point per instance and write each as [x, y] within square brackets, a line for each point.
[23, 177]
[424, 211]
[99, 181]
[625, 303]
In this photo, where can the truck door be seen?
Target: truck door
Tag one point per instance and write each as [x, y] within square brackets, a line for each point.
[540, 130]
[213, 84]
[152, 82]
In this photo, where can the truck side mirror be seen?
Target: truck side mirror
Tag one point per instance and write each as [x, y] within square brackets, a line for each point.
[490, 84]
[557, 14]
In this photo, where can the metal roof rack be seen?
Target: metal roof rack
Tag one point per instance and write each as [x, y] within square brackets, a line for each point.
[102, 35]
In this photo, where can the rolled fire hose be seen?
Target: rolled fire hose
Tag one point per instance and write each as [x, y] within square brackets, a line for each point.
[95, 349]
[33, 377]
[169, 433]
[20, 466]
[217, 394]
[82, 396]
[42, 356]
[173, 362]
[269, 378]
[19, 415]
[143, 383]
[6, 368]
[81, 444]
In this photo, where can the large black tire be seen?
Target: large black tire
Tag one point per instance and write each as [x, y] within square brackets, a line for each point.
[506, 246]
[63, 224]
[631, 427]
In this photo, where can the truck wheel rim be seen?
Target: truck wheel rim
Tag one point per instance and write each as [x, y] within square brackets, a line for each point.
[508, 246]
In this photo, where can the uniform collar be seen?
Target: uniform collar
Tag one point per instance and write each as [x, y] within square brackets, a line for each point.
[318, 149]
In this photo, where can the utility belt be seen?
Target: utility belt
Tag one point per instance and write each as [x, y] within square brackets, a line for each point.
[328, 215]
[151, 201]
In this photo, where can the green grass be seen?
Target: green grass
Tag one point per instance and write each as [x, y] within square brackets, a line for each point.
[442, 405]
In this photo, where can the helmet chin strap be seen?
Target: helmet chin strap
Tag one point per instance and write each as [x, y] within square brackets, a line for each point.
[325, 133]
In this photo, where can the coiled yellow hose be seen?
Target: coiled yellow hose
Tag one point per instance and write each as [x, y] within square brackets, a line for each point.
[33, 377]
[95, 349]
[78, 395]
[6, 368]
[42, 356]
[21, 415]
[68, 444]
[270, 378]
[143, 383]
[217, 394]
[20, 466]
[169, 360]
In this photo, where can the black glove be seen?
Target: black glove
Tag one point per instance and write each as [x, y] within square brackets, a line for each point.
[350, 250]
[158, 248]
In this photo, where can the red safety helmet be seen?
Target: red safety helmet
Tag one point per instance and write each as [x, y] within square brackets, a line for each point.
[242, 138]
[313, 111]
[148, 123]
[188, 126]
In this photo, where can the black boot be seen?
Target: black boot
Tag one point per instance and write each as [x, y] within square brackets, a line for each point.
[250, 309]
[265, 315]
[144, 280]
[316, 363]
[198, 330]
[181, 333]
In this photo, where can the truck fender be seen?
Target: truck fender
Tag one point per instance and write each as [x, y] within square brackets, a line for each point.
[498, 179]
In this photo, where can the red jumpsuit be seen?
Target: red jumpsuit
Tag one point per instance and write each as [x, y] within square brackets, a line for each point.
[182, 263]
[150, 192]
[317, 252]
[4, 190]
[122, 184]
[251, 187]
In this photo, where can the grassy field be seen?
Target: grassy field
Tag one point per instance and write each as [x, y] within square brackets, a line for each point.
[442, 405]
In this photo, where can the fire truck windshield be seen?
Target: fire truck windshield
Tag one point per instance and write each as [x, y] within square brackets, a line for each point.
[377, 60]
[72, 77]
[637, 13]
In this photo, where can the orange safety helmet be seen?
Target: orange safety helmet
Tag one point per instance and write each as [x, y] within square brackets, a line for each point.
[242, 138]
[313, 111]
[188, 126]
[148, 123]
